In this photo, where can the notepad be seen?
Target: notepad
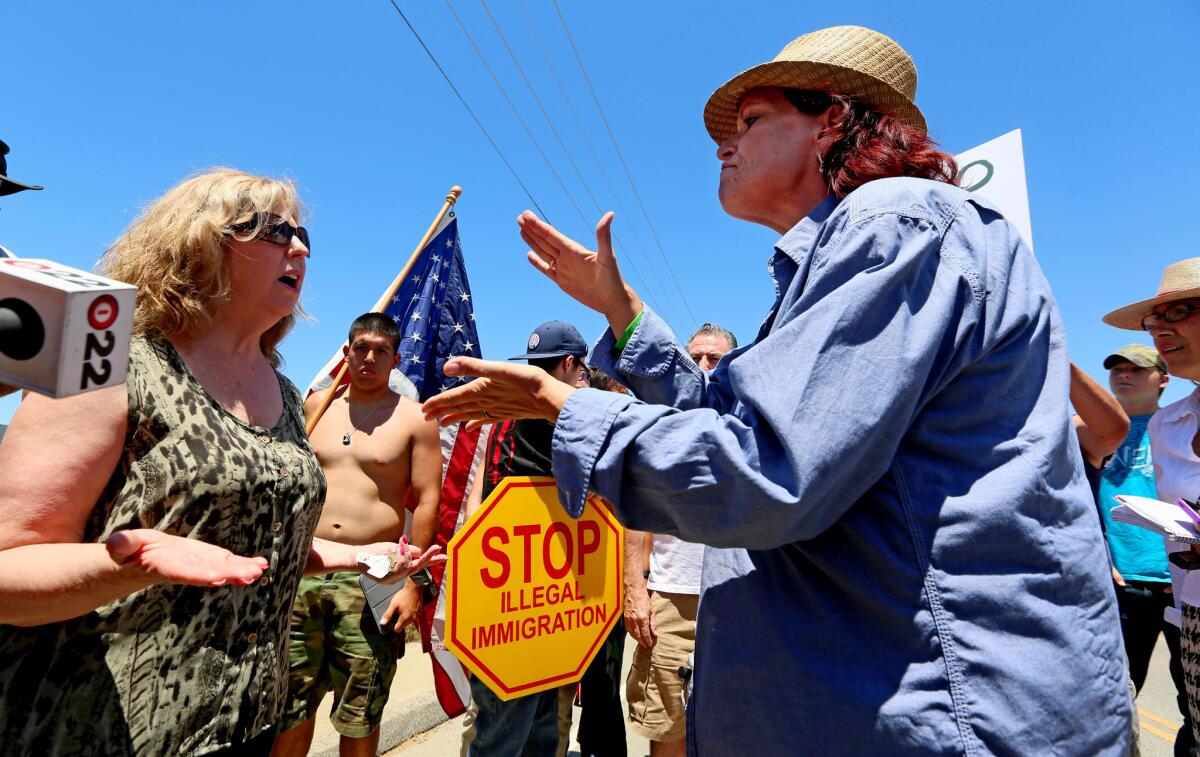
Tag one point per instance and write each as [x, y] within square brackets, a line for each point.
[1157, 516]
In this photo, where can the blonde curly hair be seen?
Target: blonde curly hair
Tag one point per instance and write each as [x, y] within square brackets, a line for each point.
[174, 252]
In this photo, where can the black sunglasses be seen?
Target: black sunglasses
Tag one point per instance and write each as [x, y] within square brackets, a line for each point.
[274, 229]
[808, 101]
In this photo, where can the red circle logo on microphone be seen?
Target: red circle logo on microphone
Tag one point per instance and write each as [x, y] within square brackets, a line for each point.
[103, 311]
[31, 265]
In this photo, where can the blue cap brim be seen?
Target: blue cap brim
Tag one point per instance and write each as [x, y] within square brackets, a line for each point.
[543, 355]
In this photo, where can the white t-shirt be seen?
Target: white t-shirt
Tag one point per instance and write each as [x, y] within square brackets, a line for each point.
[675, 565]
[1177, 474]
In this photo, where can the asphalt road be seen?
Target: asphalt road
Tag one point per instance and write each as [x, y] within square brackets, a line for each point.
[1159, 718]
[1157, 712]
[446, 739]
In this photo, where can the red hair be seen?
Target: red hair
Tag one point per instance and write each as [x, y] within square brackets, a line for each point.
[862, 144]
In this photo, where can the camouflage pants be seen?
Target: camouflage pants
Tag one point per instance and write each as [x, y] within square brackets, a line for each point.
[335, 644]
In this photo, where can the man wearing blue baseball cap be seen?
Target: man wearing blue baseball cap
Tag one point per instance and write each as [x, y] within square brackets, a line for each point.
[554, 341]
[528, 724]
[558, 349]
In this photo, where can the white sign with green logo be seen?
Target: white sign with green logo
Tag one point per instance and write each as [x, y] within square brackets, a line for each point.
[995, 170]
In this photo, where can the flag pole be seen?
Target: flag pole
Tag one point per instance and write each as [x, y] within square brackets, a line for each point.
[380, 306]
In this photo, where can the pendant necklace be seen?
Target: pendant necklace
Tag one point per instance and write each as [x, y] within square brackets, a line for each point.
[353, 428]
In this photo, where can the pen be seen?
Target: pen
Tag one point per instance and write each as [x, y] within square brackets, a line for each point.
[1188, 510]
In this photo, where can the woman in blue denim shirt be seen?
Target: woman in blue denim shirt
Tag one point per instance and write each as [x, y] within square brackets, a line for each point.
[903, 556]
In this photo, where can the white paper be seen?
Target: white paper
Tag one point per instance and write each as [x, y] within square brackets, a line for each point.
[1172, 615]
[378, 566]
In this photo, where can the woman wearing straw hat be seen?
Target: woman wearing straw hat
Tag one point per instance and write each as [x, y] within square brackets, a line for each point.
[1170, 317]
[903, 553]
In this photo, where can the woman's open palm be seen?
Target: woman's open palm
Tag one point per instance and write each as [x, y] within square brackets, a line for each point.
[174, 559]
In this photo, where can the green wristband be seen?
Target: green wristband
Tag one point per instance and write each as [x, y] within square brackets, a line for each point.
[624, 340]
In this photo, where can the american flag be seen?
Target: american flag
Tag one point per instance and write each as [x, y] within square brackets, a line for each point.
[433, 309]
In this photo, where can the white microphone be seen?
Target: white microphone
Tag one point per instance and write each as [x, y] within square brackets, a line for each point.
[63, 331]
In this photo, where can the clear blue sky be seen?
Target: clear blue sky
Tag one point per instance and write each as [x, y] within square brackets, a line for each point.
[107, 105]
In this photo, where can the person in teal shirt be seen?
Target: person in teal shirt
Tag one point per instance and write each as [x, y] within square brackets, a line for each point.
[1137, 375]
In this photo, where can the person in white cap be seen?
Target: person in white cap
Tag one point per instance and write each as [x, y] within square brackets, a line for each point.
[903, 553]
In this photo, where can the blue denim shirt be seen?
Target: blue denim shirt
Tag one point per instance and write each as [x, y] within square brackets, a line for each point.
[903, 556]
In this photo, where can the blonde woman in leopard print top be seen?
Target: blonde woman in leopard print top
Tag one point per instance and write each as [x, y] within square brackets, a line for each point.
[152, 535]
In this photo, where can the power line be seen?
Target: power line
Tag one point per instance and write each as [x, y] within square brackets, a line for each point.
[626, 216]
[467, 107]
[536, 99]
[620, 157]
[574, 114]
[528, 132]
[508, 165]
[562, 144]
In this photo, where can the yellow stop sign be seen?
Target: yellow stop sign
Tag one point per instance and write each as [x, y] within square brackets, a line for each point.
[531, 592]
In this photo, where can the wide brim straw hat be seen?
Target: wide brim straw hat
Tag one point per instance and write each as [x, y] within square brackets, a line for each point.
[1180, 281]
[842, 60]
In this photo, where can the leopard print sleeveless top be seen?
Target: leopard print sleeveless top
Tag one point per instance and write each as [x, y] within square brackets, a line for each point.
[175, 670]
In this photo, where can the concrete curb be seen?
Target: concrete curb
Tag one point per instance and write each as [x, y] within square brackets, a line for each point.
[401, 721]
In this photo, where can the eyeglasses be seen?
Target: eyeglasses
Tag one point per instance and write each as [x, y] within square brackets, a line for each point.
[1173, 314]
[274, 229]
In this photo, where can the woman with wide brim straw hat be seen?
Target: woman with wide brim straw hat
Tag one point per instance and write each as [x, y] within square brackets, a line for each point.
[1180, 281]
[1171, 318]
[902, 555]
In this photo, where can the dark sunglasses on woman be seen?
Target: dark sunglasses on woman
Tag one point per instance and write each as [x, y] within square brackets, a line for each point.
[274, 229]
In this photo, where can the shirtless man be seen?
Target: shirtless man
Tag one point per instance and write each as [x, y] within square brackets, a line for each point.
[376, 450]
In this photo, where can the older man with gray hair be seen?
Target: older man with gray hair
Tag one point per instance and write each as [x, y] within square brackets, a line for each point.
[662, 592]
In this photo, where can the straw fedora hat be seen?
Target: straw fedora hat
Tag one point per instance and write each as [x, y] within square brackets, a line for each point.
[841, 60]
[1180, 281]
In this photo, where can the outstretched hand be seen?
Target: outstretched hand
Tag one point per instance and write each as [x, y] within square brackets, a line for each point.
[592, 278]
[174, 559]
[503, 391]
[423, 558]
